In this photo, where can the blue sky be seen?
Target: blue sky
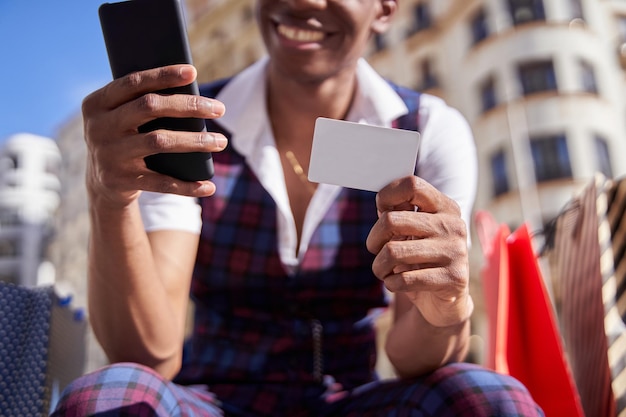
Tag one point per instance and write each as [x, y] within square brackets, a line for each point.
[51, 56]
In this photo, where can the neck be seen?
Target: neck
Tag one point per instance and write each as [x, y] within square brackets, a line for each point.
[294, 106]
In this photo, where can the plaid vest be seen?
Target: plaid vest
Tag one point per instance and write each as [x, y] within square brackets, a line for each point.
[256, 324]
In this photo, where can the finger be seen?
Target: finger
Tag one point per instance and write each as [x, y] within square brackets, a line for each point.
[136, 84]
[121, 165]
[169, 141]
[398, 225]
[127, 153]
[132, 174]
[152, 106]
[447, 281]
[433, 280]
[421, 253]
[413, 191]
[152, 181]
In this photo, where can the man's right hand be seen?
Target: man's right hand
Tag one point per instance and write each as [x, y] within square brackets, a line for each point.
[116, 171]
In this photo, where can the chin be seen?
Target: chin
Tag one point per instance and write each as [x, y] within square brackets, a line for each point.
[311, 69]
[308, 74]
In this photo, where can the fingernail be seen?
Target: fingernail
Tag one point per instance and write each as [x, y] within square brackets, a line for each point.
[185, 71]
[218, 108]
[215, 107]
[221, 141]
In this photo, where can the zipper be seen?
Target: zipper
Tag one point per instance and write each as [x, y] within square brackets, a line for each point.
[318, 359]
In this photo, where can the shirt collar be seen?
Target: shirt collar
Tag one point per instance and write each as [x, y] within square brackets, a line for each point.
[246, 116]
[375, 102]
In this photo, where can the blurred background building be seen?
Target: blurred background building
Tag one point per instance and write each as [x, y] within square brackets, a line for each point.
[29, 197]
[541, 82]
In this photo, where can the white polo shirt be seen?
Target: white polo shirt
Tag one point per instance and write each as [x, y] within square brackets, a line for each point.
[446, 158]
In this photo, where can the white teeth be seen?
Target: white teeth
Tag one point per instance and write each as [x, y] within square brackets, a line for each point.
[300, 35]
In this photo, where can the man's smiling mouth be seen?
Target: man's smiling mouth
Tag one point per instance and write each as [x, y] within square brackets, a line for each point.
[300, 35]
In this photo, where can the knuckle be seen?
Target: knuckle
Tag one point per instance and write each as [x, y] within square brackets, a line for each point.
[157, 140]
[193, 102]
[454, 207]
[391, 219]
[168, 185]
[202, 139]
[164, 73]
[416, 186]
[132, 80]
[148, 102]
[164, 185]
[95, 100]
[400, 282]
[460, 246]
[457, 271]
[459, 276]
[87, 104]
[396, 251]
[453, 226]
[385, 254]
[457, 228]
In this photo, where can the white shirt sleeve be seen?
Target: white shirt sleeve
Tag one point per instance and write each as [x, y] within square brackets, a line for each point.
[447, 154]
[169, 212]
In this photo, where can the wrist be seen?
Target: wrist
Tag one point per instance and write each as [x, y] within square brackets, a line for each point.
[101, 198]
[444, 313]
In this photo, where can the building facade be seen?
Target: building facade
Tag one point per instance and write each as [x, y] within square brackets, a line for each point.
[29, 197]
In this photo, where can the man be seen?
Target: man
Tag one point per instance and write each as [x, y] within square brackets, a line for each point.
[284, 270]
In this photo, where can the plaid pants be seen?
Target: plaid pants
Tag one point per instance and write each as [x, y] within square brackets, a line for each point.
[459, 389]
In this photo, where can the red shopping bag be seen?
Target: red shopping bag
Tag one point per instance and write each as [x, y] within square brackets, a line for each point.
[524, 340]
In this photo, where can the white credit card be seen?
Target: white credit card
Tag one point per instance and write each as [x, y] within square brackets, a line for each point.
[361, 156]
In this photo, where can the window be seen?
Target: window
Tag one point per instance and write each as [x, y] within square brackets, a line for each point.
[550, 158]
[9, 162]
[523, 11]
[9, 218]
[421, 18]
[9, 249]
[537, 76]
[588, 77]
[603, 156]
[498, 173]
[480, 30]
[488, 94]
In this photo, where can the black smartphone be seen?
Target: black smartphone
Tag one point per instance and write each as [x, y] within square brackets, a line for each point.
[145, 34]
